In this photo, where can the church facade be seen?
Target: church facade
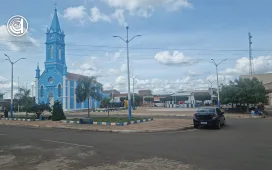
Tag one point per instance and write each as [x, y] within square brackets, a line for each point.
[55, 83]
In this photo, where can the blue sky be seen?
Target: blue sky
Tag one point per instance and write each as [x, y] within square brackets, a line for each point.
[197, 30]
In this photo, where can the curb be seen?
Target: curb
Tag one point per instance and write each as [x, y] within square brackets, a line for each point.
[103, 130]
[70, 121]
[19, 119]
[109, 123]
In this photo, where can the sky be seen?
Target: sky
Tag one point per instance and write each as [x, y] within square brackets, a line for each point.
[178, 40]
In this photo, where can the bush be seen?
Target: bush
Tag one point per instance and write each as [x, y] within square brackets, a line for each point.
[38, 109]
[57, 113]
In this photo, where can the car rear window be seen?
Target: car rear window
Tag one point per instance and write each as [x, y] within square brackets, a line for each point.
[204, 111]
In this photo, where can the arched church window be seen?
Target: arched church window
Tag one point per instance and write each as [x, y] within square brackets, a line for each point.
[42, 92]
[51, 51]
[59, 53]
[59, 90]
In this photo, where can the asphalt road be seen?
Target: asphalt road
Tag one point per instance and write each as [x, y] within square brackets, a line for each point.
[245, 144]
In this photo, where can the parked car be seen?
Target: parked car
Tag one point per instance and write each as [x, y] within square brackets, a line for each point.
[213, 117]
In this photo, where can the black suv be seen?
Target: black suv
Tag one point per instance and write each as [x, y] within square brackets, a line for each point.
[209, 117]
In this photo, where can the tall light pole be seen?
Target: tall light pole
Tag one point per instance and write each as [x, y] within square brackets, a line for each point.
[112, 86]
[32, 89]
[26, 85]
[216, 65]
[18, 98]
[211, 82]
[128, 75]
[133, 83]
[11, 95]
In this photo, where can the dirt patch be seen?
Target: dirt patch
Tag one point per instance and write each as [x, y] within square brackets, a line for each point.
[6, 159]
[146, 164]
[156, 125]
[56, 164]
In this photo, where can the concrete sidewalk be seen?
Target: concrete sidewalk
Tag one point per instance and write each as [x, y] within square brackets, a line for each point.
[157, 125]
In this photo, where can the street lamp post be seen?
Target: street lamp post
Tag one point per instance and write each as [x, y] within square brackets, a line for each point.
[11, 95]
[128, 74]
[133, 83]
[216, 65]
[211, 82]
[18, 98]
[112, 95]
[26, 85]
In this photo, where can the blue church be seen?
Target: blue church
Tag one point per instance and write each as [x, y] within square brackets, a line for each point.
[55, 83]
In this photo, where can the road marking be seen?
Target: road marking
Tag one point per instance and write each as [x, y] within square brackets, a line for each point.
[67, 143]
[3, 134]
[169, 132]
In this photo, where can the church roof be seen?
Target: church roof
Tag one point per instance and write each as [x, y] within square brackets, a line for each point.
[73, 76]
[55, 26]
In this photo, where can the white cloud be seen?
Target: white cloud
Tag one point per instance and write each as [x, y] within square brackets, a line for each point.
[146, 7]
[80, 13]
[176, 58]
[120, 80]
[113, 72]
[3, 80]
[77, 13]
[5, 86]
[14, 43]
[119, 16]
[118, 72]
[96, 15]
[262, 64]
[193, 73]
[88, 68]
[96, 73]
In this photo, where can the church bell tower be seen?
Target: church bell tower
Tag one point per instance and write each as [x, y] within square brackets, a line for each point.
[55, 46]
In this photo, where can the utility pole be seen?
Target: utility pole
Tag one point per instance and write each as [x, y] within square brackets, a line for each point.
[251, 67]
[128, 74]
[216, 65]
[18, 98]
[11, 95]
[112, 98]
[211, 82]
[133, 83]
[26, 85]
[32, 90]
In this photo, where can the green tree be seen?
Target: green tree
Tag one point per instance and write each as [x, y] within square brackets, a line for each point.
[87, 88]
[23, 96]
[244, 91]
[138, 99]
[105, 102]
[57, 113]
[40, 108]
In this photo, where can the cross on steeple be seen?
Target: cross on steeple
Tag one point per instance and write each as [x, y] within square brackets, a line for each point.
[55, 5]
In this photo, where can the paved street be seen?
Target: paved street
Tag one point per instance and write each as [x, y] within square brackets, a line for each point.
[244, 144]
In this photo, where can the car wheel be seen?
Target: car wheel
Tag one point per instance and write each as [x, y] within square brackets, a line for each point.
[195, 126]
[218, 126]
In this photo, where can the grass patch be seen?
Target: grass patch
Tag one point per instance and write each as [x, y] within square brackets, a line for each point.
[111, 119]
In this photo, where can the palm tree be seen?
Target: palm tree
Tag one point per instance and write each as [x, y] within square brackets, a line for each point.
[87, 88]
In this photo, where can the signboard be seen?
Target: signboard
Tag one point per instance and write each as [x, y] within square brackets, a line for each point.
[156, 99]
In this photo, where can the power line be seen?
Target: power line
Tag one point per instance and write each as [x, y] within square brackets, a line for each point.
[146, 48]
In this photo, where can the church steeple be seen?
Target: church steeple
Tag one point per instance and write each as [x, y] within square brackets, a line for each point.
[38, 72]
[55, 26]
[55, 45]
